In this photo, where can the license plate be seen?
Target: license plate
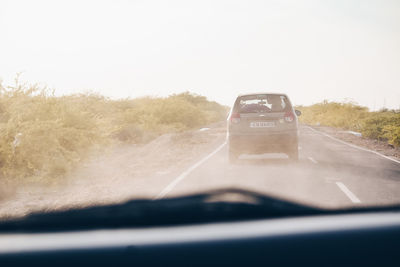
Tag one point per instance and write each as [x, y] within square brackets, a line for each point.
[262, 124]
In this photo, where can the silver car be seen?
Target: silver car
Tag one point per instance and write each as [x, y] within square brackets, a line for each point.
[262, 123]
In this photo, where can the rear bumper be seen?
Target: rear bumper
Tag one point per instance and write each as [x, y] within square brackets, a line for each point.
[257, 143]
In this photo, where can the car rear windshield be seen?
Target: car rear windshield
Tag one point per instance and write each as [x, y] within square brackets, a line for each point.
[262, 103]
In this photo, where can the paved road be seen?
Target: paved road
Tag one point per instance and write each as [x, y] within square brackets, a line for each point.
[329, 174]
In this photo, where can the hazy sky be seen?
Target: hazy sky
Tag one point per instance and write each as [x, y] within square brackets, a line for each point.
[312, 50]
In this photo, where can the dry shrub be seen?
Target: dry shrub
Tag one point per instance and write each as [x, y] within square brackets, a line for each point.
[43, 136]
[382, 125]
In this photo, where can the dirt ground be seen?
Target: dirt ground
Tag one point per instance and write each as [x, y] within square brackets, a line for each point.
[121, 174]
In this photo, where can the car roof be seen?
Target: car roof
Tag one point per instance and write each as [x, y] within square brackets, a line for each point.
[261, 93]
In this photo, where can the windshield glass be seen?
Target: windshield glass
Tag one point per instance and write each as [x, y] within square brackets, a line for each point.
[262, 103]
[103, 102]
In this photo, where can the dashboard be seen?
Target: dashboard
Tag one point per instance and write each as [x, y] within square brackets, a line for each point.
[369, 239]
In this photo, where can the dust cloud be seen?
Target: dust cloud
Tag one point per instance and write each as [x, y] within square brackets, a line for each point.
[123, 173]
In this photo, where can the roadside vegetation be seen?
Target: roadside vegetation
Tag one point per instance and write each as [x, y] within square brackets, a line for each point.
[43, 136]
[383, 125]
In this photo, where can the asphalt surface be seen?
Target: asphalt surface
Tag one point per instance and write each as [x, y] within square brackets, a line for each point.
[329, 174]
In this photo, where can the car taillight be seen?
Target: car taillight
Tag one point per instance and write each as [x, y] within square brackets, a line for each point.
[289, 116]
[235, 118]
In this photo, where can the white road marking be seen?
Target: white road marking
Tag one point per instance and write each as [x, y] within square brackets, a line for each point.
[204, 129]
[186, 173]
[348, 193]
[354, 146]
[313, 160]
[330, 180]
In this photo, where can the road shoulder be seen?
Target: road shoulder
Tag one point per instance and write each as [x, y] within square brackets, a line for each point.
[367, 143]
